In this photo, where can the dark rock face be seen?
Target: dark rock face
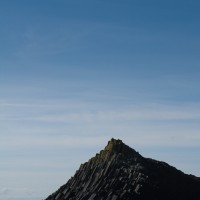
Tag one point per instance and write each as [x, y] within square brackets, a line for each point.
[119, 172]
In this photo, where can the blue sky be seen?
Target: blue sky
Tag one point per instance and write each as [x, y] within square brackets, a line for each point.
[75, 73]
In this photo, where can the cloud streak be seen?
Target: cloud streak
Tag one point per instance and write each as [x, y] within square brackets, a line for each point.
[92, 113]
[8, 192]
[55, 124]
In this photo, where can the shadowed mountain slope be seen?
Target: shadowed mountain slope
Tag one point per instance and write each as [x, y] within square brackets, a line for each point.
[119, 172]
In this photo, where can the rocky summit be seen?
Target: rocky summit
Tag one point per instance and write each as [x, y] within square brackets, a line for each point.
[119, 172]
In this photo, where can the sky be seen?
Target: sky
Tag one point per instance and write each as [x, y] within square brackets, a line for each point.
[74, 74]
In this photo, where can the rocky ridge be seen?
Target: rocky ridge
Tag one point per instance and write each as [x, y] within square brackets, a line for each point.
[120, 173]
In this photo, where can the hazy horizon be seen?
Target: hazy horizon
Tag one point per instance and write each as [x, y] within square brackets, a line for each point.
[74, 74]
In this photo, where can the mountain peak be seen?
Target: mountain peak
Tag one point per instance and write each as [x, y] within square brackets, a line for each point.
[120, 173]
[116, 146]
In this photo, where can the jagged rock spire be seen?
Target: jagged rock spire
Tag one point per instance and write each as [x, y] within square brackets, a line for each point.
[117, 146]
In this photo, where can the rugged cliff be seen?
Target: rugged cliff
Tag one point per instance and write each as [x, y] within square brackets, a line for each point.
[119, 172]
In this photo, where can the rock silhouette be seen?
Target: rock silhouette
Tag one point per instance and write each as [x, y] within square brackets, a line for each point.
[120, 173]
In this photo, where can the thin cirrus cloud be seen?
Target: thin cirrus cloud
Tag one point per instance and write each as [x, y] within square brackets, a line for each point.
[149, 113]
[153, 124]
[8, 193]
[83, 113]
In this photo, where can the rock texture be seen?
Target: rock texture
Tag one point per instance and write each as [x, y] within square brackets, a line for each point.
[119, 172]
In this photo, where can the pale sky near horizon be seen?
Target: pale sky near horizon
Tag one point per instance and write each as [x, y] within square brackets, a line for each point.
[75, 73]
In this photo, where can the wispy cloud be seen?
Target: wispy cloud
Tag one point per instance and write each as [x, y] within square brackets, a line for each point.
[149, 113]
[8, 192]
[90, 113]
[55, 124]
